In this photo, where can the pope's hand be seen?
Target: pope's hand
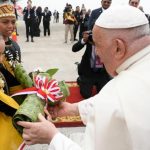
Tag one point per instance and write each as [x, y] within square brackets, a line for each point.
[64, 109]
[41, 132]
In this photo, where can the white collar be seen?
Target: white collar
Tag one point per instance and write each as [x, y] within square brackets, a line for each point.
[102, 10]
[133, 59]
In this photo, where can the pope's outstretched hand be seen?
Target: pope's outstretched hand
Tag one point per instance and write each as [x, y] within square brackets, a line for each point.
[64, 109]
[42, 132]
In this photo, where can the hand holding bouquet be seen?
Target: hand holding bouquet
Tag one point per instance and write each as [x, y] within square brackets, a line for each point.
[45, 92]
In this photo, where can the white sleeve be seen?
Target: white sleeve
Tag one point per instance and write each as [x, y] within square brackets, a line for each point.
[61, 142]
[86, 109]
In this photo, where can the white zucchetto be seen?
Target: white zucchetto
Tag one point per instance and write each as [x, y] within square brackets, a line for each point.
[117, 17]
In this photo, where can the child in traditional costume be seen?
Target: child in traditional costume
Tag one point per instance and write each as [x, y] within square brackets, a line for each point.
[12, 52]
[9, 138]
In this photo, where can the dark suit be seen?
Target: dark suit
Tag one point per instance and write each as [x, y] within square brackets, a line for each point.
[46, 21]
[29, 18]
[88, 77]
[76, 25]
[148, 17]
[94, 16]
[83, 25]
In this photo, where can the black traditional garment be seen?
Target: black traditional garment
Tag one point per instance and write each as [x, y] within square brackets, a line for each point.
[12, 55]
[12, 51]
[3, 106]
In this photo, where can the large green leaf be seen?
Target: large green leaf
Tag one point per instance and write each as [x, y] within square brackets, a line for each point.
[28, 111]
[51, 72]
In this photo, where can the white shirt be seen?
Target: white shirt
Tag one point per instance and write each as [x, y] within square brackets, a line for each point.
[118, 118]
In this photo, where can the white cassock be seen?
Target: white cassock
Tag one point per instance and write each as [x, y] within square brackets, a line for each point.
[118, 118]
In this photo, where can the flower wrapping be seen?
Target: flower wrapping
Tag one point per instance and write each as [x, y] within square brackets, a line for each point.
[28, 111]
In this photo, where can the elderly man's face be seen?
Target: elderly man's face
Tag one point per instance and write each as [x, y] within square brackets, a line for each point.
[104, 49]
[134, 3]
[106, 3]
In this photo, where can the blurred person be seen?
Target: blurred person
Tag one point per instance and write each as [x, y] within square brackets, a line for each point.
[84, 19]
[91, 70]
[46, 20]
[36, 29]
[89, 12]
[65, 10]
[77, 23]
[97, 12]
[29, 2]
[16, 13]
[57, 17]
[83, 7]
[69, 20]
[29, 18]
[118, 118]
[134, 3]
[37, 22]
[54, 15]
[39, 14]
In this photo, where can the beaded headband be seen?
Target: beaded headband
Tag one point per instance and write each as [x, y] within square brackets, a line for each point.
[6, 10]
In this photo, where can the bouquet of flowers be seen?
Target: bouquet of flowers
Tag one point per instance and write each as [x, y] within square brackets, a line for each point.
[42, 91]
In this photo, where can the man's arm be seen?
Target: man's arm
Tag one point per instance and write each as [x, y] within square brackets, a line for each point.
[77, 46]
